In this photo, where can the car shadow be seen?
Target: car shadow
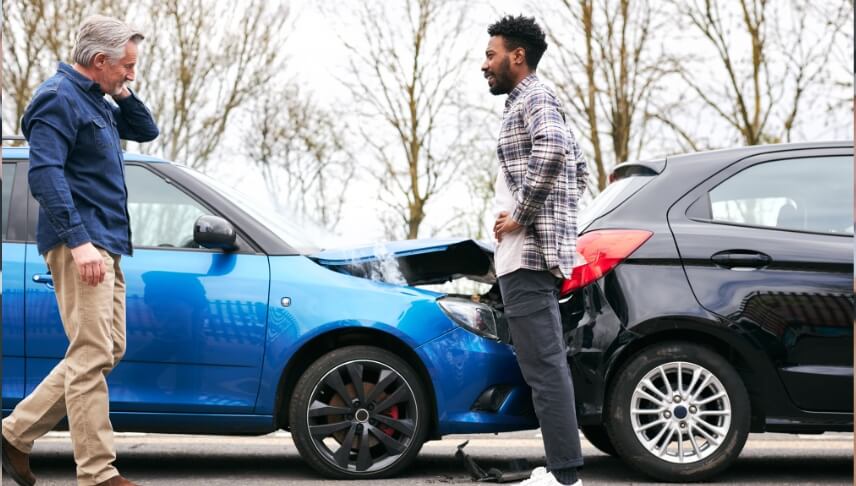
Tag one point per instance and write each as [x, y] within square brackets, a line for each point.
[265, 465]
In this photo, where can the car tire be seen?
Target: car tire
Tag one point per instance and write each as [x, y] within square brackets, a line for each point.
[384, 426]
[597, 435]
[678, 412]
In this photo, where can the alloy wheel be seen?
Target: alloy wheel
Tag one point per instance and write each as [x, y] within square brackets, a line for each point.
[362, 416]
[680, 412]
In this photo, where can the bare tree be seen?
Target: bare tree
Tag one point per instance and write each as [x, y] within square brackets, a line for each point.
[608, 69]
[302, 150]
[760, 96]
[207, 60]
[203, 61]
[843, 56]
[403, 79]
[476, 217]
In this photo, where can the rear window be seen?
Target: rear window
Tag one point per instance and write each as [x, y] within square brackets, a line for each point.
[615, 193]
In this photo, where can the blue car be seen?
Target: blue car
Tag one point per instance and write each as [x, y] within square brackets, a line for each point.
[239, 324]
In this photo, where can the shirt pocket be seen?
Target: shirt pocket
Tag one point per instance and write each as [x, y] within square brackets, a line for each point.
[100, 133]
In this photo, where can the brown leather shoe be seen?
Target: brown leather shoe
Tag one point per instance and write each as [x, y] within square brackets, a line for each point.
[17, 465]
[116, 481]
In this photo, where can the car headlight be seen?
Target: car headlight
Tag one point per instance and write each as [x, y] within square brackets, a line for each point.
[472, 316]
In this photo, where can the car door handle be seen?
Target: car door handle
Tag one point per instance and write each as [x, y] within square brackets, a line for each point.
[741, 260]
[45, 279]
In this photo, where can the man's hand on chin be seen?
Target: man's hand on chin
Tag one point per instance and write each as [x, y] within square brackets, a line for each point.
[122, 94]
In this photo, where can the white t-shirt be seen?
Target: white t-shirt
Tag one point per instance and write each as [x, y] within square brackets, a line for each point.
[509, 251]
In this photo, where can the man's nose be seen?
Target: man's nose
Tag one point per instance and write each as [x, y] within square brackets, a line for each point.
[484, 65]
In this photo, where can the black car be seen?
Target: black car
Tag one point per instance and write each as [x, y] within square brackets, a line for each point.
[716, 300]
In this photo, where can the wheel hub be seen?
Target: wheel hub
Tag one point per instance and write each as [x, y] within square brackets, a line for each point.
[362, 416]
[681, 412]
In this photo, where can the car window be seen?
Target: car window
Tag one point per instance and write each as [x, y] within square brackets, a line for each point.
[161, 214]
[298, 232]
[809, 194]
[613, 196]
[8, 177]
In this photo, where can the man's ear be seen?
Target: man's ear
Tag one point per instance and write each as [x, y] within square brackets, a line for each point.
[519, 55]
[99, 60]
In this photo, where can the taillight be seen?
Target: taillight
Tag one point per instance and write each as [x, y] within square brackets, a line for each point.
[602, 251]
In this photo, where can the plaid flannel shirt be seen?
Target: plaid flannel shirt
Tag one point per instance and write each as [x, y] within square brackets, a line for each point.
[546, 173]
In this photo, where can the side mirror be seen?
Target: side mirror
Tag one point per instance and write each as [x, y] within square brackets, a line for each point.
[215, 233]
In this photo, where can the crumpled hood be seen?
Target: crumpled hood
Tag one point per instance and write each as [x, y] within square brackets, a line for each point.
[414, 262]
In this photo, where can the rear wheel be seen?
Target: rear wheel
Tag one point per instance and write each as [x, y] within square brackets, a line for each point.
[597, 435]
[678, 412]
[359, 412]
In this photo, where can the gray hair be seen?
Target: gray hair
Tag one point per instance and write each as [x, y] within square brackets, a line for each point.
[100, 34]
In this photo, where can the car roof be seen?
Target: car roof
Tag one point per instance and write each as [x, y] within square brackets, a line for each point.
[737, 153]
[24, 153]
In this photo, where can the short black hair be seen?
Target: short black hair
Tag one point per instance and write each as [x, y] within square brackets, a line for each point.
[522, 32]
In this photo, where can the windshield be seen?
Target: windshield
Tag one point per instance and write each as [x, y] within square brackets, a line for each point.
[298, 232]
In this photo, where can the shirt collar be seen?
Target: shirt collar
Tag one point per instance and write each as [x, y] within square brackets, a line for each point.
[520, 88]
[85, 83]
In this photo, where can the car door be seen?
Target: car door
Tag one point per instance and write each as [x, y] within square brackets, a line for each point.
[196, 318]
[768, 244]
[14, 209]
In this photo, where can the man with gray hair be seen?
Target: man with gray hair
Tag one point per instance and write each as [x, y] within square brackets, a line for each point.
[78, 177]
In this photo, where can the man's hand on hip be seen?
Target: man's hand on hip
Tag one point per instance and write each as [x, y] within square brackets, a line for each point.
[90, 264]
[504, 224]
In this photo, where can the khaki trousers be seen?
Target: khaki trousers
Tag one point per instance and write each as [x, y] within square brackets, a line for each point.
[94, 322]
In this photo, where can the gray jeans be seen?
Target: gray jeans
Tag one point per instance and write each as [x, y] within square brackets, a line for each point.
[532, 311]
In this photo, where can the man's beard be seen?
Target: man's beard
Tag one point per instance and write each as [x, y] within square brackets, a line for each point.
[503, 83]
[118, 89]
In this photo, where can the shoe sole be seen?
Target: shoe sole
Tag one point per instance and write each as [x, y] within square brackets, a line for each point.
[7, 468]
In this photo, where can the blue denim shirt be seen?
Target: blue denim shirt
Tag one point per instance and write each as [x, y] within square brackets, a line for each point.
[77, 171]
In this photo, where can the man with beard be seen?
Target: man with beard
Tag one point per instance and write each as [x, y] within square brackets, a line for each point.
[541, 176]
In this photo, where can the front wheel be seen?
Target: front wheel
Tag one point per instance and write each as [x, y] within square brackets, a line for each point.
[678, 412]
[359, 412]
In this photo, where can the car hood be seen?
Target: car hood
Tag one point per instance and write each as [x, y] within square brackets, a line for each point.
[414, 262]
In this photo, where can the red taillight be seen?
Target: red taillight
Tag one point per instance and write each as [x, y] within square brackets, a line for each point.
[602, 250]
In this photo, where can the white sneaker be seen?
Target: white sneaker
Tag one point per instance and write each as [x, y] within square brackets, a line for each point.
[540, 477]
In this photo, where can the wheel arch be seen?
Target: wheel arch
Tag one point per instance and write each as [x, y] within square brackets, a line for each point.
[338, 338]
[754, 379]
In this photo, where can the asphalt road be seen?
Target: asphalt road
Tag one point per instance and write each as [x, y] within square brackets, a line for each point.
[769, 459]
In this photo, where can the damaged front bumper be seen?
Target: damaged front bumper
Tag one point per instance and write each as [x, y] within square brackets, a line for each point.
[480, 388]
